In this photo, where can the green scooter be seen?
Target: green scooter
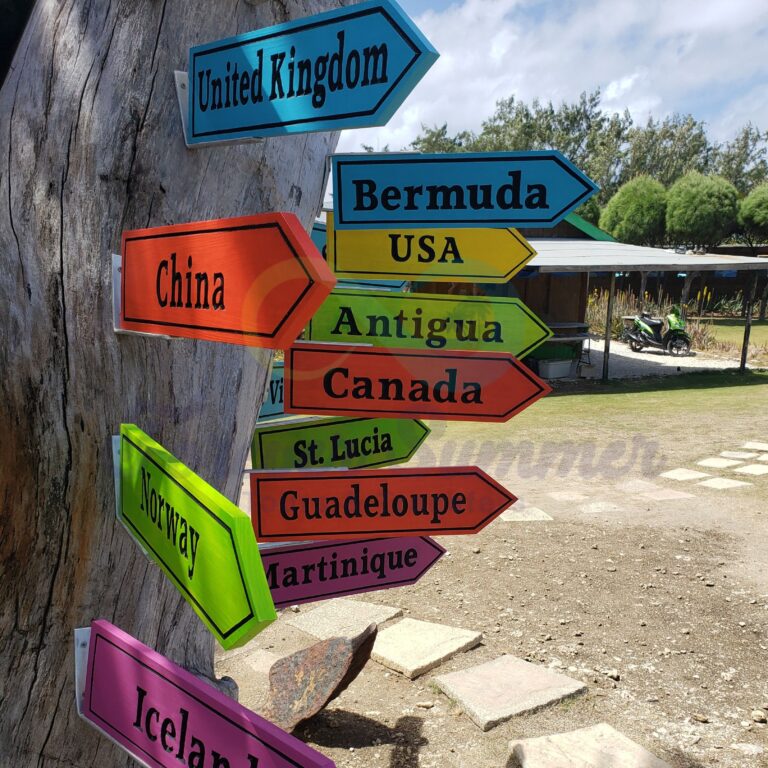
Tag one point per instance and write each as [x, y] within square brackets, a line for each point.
[646, 331]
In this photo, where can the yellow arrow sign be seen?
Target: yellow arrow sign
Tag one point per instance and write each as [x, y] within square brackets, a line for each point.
[448, 255]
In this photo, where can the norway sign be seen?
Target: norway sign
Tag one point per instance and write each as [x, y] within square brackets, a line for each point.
[353, 380]
[164, 716]
[350, 443]
[347, 68]
[428, 321]
[449, 255]
[302, 573]
[200, 539]
[362, 503]
[252, 280]
[469, 189]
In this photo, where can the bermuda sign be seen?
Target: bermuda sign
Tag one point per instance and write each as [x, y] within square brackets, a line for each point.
[469, 189]
[303, 573]
[428, 321]
[361, 503]
[347, 68]
[350, 443]
[448, 255]
[353, 380]
[252, 280]
[164, 716]
[203, 543]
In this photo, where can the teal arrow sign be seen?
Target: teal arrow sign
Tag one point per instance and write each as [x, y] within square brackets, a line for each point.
[342, 442]
[347, 68]
[428, 321]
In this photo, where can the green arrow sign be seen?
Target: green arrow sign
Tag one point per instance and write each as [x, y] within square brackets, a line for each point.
[419, 321]
[200, 539]
[352, 443]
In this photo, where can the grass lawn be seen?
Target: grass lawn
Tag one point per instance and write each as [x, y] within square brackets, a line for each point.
[732, 331]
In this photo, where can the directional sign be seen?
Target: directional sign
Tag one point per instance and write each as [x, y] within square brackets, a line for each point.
[428, 321]
[319, 238]
[470, 189]
[200, 539]
[272, 405]
[438, 254]
[164, 716]
[351, 443]
[253, 280]
[349, 380]
[303, 573]
[348, 68]
[361, 503]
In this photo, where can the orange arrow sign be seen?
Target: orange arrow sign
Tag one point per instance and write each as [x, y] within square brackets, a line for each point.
[346, 379]
[253, 280]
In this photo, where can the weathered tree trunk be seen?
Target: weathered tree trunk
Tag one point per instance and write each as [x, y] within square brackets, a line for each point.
[91, 145]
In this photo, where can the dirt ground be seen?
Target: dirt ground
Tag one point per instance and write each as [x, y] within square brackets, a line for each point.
[659, 605]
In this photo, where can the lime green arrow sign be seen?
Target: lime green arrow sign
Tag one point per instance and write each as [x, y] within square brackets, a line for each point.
[200, 539]
[352, 443]
[415, 320]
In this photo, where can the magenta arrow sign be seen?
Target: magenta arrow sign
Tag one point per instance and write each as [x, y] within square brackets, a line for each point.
[302, 573]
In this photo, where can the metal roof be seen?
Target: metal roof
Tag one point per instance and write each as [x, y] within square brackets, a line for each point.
[565, 255]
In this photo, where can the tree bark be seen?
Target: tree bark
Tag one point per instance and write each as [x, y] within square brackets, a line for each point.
[92, 145]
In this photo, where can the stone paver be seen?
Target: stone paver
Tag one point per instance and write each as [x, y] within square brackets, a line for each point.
[755, 446]
[599, 507]
[342, 618]
[753, 469]
[763, 457]
[683, 474]
[413, 647]
[717, 463]
[722, 483]
[493, 692]
[598, 746]
[738, 455]
[667, 494]
[524, 515]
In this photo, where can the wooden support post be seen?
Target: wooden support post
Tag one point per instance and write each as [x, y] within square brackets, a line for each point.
[749, 301]
[608, 326]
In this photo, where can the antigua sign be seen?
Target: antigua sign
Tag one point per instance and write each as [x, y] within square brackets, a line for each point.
[469, 189]
[252, 280]
[347, 68]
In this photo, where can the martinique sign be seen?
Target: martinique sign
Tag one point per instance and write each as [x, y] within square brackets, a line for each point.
[472, 189]
[200, 539]
[252, 280]
[353, 380]
[451, 255]
[347, 68]
[362, 503]
[303, 573]
[164, 716]
[351, 443]
[428, 321]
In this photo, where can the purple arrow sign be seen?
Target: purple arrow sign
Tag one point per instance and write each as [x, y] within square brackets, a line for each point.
[164, 716]
[302, 573]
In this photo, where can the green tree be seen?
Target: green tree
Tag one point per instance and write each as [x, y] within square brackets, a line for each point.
[753, 217]
[637, 212]
[743, 161]
[436, 139]
[701, 210]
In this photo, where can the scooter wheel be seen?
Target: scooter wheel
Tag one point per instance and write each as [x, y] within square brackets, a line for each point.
[679, 347]
[635, 346]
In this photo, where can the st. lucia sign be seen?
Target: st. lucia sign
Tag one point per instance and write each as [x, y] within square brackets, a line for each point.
[353, 380]
[317, 570]
[347, 68]
[450, 255]
[468, 189]
[351, 443]
[361, 503]
[428, 321]
[203, 543]
[252, 280]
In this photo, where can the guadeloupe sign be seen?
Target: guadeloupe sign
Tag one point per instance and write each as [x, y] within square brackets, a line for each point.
[202, 542]
[347, 68]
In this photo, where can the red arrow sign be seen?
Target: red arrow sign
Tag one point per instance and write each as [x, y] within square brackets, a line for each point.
[354, 504]
[253, 280]
[353, 380]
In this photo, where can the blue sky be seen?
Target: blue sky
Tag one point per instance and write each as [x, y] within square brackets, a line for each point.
[657, 57]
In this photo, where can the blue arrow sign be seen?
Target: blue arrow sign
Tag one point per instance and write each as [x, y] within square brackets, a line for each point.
[319, 237]
[348, 68]
[472, 189]
[272, 406]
